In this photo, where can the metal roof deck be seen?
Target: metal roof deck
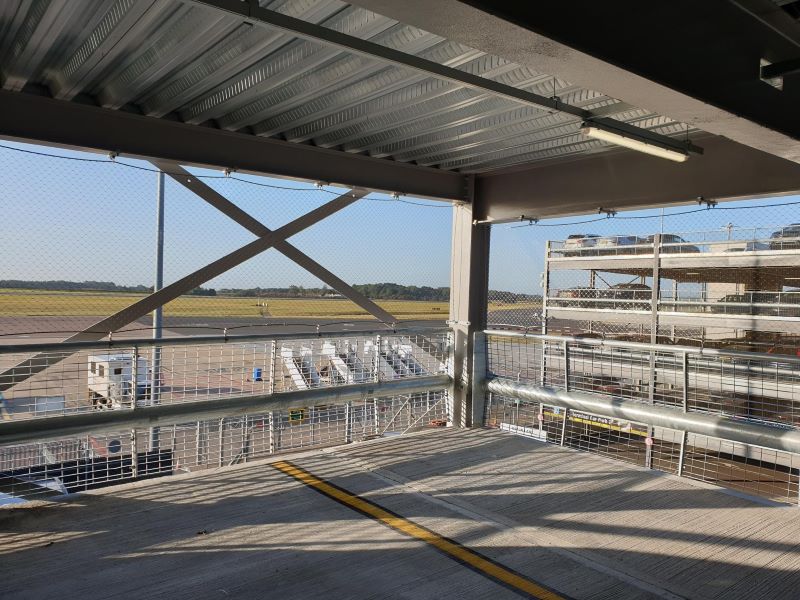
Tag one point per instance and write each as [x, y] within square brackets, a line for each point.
[194, 63]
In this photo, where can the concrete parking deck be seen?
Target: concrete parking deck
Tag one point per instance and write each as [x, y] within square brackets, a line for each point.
[588, 528]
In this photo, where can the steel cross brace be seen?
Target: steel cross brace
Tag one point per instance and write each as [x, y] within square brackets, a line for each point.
[102, 328]
[229, 209]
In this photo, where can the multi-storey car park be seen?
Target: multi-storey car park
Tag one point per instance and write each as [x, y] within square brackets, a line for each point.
[699, 288]
[149, 455]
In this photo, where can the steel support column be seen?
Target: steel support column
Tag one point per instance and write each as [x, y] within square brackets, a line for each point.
[469, 287]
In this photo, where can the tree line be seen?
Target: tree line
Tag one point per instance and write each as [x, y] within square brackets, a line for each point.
[376, 291]
[59, 285]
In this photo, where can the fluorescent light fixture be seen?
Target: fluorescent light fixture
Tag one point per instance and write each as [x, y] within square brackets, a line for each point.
[792, 278]
[629, 140]
[693, 273]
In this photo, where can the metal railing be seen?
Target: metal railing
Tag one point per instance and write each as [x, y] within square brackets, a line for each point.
[627, 399]
[41, 470]
[209, 402]
[760, 303]
[47, 380]
[770, 304]
[753, 386]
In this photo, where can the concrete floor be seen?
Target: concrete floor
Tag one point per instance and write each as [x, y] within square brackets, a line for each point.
[583, 525]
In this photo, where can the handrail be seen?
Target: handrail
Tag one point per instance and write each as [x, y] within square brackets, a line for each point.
[119, 342]
[648, 346]
[756, 434]
[56, 427]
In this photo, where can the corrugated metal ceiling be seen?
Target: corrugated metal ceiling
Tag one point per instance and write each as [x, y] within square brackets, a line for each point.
[175, 59]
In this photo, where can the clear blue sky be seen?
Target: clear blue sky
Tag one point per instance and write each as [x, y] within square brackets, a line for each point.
[517, 258]
[74, 220]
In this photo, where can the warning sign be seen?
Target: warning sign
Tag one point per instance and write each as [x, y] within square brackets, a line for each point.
[603, 422]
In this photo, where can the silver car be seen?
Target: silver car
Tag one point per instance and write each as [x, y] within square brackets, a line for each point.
[616, 244]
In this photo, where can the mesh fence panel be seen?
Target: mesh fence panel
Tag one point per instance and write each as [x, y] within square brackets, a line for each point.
[123, 377]
[759, 389]
[722, 277]
[747, 388]
[758, 471]
[45, 470]
[81, 229]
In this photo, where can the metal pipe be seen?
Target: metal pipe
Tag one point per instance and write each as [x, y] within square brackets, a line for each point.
[205, 339]
[617, 408]
[158, 312]
[169, 414]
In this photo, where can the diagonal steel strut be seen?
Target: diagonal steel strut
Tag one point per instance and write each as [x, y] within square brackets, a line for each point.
[228, 208]
[99, 330]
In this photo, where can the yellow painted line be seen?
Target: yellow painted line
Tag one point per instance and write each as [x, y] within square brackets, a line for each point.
[454, 550]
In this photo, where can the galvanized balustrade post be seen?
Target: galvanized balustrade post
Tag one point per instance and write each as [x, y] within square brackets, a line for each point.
[377, 358]
[135, 377]
[311, 423]
[685, 406]
[272, 363]
[566, 389]
[542, 378]
[134, 456]
[271, 425]
[655, 294]
[197, 442]
[221, 440]
[348, 422]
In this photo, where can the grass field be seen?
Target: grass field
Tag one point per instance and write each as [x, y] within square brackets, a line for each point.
[34, 303]
[40, 303]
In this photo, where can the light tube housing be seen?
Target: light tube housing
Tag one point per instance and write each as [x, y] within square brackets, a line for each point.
[628, 140]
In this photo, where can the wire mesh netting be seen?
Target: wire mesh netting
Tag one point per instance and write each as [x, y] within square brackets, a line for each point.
[81, 229]
[726, 276]
[44, 470]
[758, 471]
[716, 287]
[123, 377]
[761, 389]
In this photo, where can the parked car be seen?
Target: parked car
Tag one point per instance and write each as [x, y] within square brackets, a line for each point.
[578, 297]
[667, 238]
[728, 304]
[580, 244]
[786, 238]
[628, 296]
[616, 244]
[788, 304]
[750, 247]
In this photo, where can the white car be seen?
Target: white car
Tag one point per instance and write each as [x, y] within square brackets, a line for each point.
[580, 244]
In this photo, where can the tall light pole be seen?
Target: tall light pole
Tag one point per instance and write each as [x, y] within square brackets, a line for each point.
[158, 316]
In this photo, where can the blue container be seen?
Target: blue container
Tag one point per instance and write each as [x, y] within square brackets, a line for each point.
[256, 373]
